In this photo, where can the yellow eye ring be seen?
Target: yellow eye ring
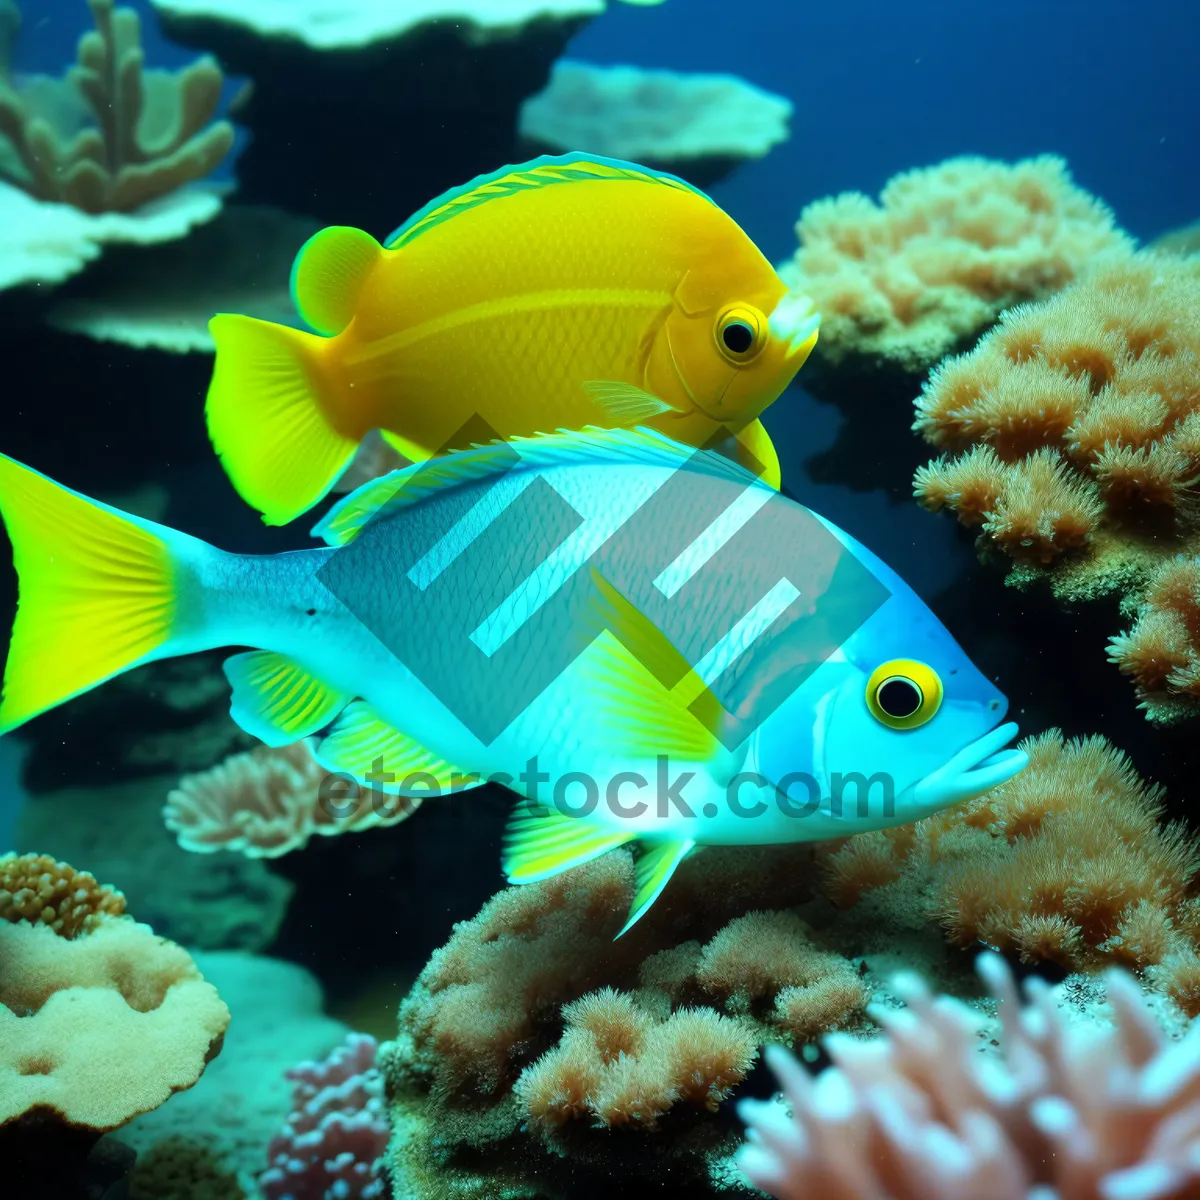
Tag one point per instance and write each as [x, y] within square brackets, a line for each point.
[739, 333]
[904, 693]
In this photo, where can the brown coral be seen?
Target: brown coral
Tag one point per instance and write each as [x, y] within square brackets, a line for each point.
[1161, 651]
[533, 1013]
[269, 801]
[1068, 862]
[1073, 428]
[114, 136]
[945, 250]
[33, 887]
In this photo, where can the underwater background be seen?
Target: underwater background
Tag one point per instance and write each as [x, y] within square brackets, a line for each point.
[315, 942]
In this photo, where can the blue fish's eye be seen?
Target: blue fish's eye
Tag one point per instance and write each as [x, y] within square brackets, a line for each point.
[904, 693]
[738, 333]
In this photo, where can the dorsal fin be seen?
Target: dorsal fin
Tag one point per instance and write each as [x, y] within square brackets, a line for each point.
[328, 276]
[399, 489]
[544, 171]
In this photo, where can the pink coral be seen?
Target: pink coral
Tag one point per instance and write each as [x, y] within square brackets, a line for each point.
[332, 1143]
[270, 801]
[1069, 1110]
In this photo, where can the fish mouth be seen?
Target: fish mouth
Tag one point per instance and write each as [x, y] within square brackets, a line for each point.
[978, 767]
[796, 322]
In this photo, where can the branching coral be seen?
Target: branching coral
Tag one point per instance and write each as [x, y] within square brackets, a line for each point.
[99, 1027]
[33, 887]
[1161, 651]
[1072, 430]
[942, 254]
[1074, 1111]
[333, 1141]
[531, 1013]
[114, 136]
[268, 802]
[1067, 862]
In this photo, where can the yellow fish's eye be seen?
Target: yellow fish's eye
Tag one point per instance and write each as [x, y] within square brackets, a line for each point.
[904, 693]
[740, 333]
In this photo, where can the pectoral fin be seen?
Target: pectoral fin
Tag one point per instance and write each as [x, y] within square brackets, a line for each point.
[278, 701]
[652, 872]
[624, 403]
[379, 755]
[541, 842]
[755, 451]
[648, 699]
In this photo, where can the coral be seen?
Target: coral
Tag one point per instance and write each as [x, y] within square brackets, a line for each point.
[100, 1027]
[1074, 1110]
[942, 254]
[115, 136]
[215, 901]
[47, 243]
[1066, 863]
[270, 801]
[164, 298]
[1185, 240]
[333, 1140]
[33, 887]
[1071, 433]
[531, 1013]
[1161, 650]
[490, 55]
[244, 1096]
[178, 1168]
[701, 126]
[622, 1068]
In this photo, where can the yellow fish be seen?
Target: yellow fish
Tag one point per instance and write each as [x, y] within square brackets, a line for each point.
[569, 291]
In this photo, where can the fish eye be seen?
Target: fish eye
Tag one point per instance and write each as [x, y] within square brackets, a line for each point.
[738, 333]
[904, 693]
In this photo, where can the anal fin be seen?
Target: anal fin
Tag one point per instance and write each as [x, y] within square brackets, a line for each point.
[277, 700]
[544, 842]
[378, 755]
[652, 872]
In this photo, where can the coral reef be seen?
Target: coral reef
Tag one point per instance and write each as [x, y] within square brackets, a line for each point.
[113, 136]
[216, 901]
[244, 1096]
[531, 1015]
[1068, 863]
[35, 888]
[698, 126]
[181, 1169]
[99, 1027]
[270, 801]
[942, 254]
[1064, 1108]
[1161, 650]
[1070, 431]
[333, 1141]
[163, 299]
[316, 66]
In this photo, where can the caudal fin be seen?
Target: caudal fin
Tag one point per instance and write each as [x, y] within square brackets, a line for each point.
[265, 418]
[99, 592]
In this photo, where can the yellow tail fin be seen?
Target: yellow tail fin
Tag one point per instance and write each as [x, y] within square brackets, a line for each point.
[98, 592]
[265, 418]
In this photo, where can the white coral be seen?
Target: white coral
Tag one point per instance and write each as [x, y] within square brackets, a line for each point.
[1066, 1111]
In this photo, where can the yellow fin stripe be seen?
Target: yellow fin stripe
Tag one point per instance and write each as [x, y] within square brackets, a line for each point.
[537, 847]
[362, 744]
[97, 593]
[277, 700]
